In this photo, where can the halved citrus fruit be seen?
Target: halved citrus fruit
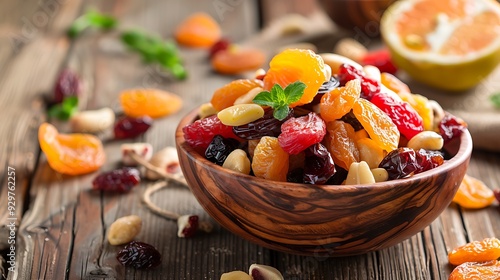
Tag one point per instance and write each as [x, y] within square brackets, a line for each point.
[448, 44]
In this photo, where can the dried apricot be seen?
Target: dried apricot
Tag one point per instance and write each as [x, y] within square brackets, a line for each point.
[473, 194]
[72, 154]
[270, 161]
[235, 60]
[477, 271]
[487, 249]
[341, 144]
[294, 65]
[153, 103]
[225, 96]
[378, 125]
[393, 83]
[199, 30]
[339, 101]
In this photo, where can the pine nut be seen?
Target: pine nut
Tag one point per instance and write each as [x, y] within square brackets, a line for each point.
[206, 110]
[237, 161]
[359, 173]
[240, 114]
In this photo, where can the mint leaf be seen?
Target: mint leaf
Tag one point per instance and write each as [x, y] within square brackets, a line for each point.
[495, 99]
[91, 19]
[279, 99]
[64, 110]
[155, 50]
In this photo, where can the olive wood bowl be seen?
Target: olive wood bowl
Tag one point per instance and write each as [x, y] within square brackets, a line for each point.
[322, 220]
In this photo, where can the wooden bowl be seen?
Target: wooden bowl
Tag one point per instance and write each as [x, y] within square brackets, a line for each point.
[322, 220]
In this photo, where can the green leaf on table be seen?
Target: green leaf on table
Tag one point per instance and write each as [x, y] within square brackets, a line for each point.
[154, 50]
[495, 99]
[64, 110]
[91, 19]
[279, 99]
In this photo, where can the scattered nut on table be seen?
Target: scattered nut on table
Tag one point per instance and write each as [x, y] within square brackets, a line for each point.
[235, 275]
[166, 159]
[187, 226]
[144, 150]
[264, 272]
[92, 121]
[124, 230]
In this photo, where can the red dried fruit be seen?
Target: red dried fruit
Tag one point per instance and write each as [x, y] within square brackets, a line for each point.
[67, 84]
[407, 120]
[200, 133]
[400, 163]
[139, 255]
[368, 86]
[297, 134]
[496, 192]
[380, 59]
[451, 127]
[318, 166]
[188, 225]
[128, 127]
[119, 180]
[221, 45]
[428, 160]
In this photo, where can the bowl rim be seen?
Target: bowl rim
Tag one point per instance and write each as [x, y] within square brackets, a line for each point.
[463, 154]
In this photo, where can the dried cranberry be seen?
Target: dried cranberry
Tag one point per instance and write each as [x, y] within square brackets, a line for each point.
[221, 45]
[368, 86]
[119, 180]
[318, 165]
[268, 125]
[400, 163]
[187, 226]
[380, 59]
[407, 120]
[297, 134]
[496, 192]
[139, 255]
[219, 148]
[451, 127]
[200, 133]
[67, 84]
[128, 127]
[428, 160]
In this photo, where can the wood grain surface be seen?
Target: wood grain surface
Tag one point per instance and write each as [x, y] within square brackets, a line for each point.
[63, 224]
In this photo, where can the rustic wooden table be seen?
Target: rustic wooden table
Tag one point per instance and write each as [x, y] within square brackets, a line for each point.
[60, 224]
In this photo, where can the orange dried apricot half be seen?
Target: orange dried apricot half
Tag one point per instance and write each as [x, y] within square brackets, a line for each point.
[225, 96]
[473, 194]
[235, 61]
[153, 103]
[199, 30]
[487, 249]
[71, 154]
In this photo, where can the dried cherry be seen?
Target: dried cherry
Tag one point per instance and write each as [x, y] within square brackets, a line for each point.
[318, 166]
[128, 127]
[428, 160]
[67, 84]
[139, 255]
[299, 133]
[451, 127]
[200, 133]
[368, 86]
[400, 163]
[119, 180]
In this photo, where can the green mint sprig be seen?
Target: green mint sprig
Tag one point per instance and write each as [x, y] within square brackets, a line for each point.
[91, 19]
[279, 99]
[64, 110]
[153, 49]
[495, 99]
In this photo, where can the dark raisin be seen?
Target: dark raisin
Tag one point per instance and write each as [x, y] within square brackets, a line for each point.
[268, 125]
[329, 85]
[351, 119]
[128, 127]
[139, 255]
[67, 84]
[119, 180]
[219, 148]
[400, 163]
[428, 160]
[368, 86]
[451, 127]
[318, 165]
[339, 177]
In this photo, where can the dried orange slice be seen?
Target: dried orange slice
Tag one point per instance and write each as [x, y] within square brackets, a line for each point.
[71, 154]
[447, 44]
[294, 65]
[153, 103]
